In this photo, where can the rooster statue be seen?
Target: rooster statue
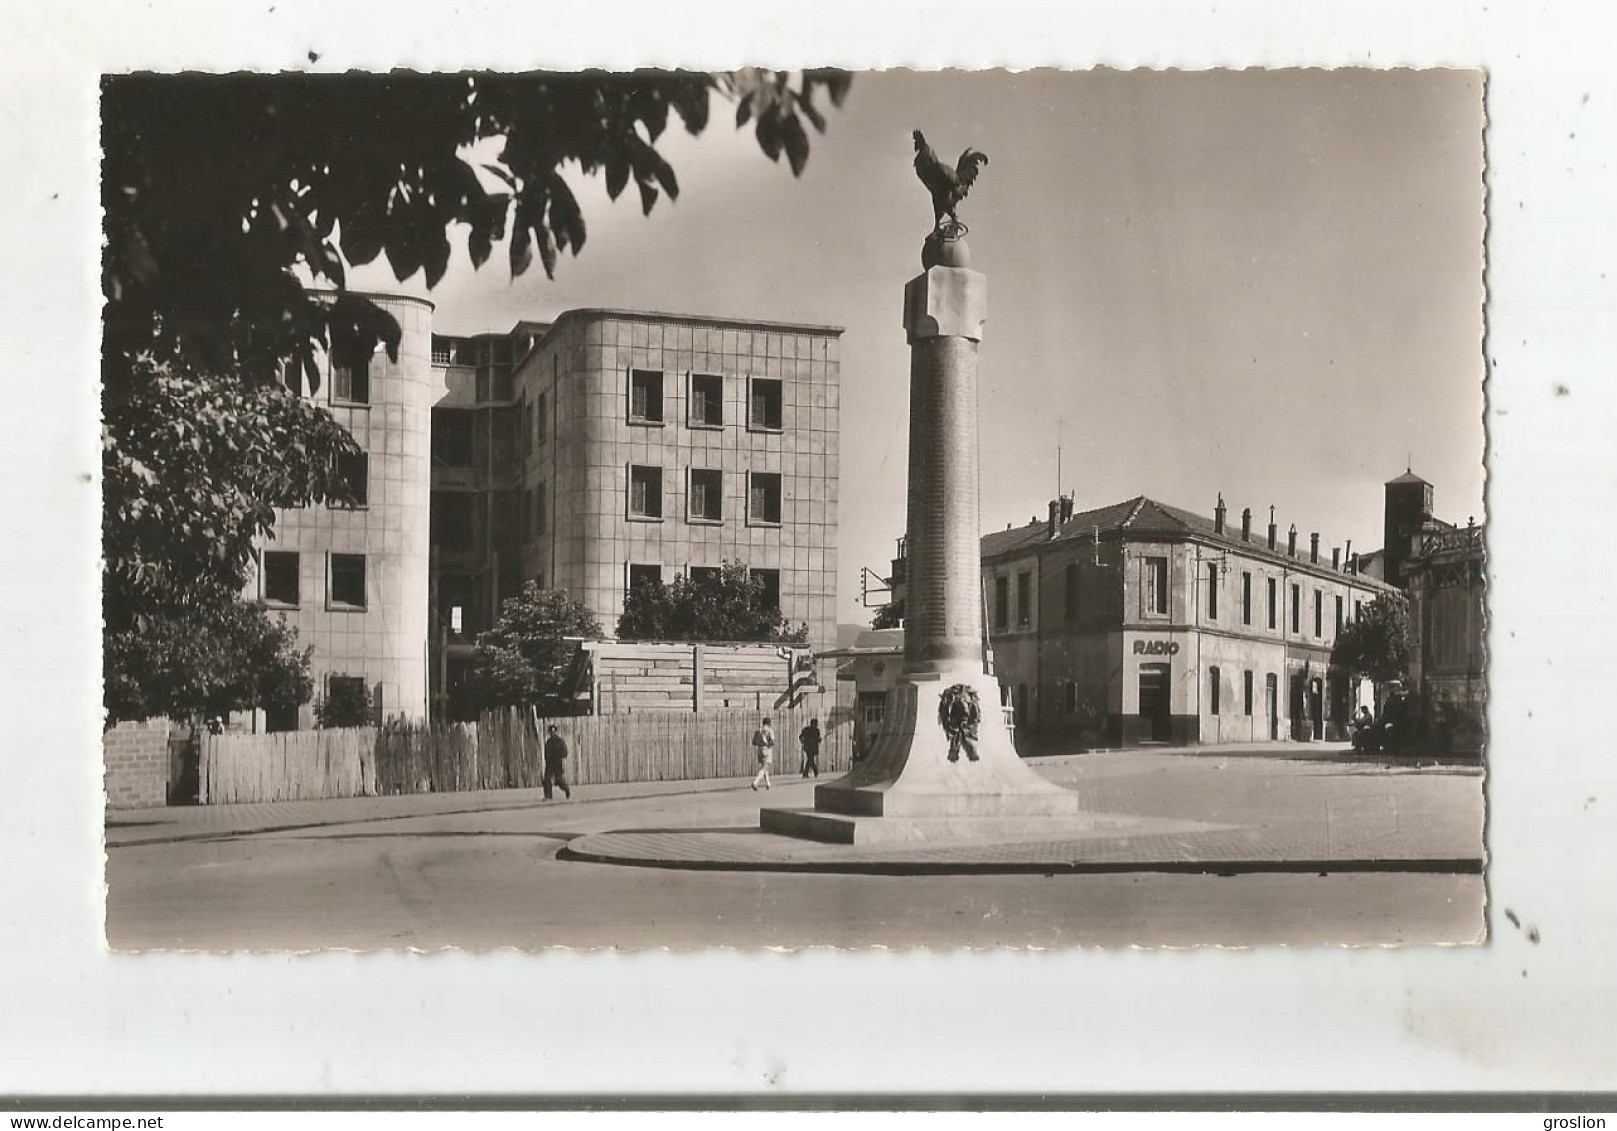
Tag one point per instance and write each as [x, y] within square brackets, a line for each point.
[947, 186]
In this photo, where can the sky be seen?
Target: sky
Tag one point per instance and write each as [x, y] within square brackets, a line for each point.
[1261, 283]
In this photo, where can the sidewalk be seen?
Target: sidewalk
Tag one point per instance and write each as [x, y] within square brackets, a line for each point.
[170, 823]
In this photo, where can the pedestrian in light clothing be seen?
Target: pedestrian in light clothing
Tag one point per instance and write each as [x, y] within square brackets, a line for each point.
[556, 765]
[763, 744]
[809, 737]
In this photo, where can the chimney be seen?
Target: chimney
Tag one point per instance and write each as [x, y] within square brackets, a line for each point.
[1353, 564]
[1291, 541]
[1246, 524]
[1218, 515]
[1313, 547]
[1271, 528]
[1336, 558]
[1066, 508]
[1055, 517]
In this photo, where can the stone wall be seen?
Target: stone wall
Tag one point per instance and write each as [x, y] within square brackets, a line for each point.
[136, 764]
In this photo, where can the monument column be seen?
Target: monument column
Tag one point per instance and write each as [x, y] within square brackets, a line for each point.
[944, 310]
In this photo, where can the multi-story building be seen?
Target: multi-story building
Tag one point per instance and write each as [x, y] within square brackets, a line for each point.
[1141, 622]
[588, 454]
[613, 447]
[354, 580]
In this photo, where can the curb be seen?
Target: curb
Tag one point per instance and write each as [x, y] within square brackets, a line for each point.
[1459, 866]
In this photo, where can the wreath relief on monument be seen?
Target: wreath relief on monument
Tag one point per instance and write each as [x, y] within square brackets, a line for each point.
[958, 715]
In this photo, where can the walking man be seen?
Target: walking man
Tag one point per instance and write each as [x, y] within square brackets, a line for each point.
[556, 765]
[763, 743]
[809, 737]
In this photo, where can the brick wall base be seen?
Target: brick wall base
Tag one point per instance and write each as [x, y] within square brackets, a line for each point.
[135, 760]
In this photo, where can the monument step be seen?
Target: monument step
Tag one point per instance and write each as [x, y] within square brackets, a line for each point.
[861, 831]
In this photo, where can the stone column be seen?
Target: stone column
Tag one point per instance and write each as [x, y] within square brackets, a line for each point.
[944, 311]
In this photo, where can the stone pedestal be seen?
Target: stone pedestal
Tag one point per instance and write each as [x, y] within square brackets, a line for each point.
[916, 784]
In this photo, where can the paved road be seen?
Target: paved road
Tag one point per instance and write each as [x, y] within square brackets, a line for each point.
[490, 877]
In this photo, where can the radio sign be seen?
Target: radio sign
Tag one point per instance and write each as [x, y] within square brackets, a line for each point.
[1156, 647]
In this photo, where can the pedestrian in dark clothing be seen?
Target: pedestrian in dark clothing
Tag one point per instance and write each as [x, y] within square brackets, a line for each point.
[809, 736]
[556, 765]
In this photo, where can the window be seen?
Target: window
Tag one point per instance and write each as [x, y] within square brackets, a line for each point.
[278, 719]
[1319, 614]
[1271, 603]
[705, 497]
[704, 575]
[771, 583]
[442, 350]
[1358, 609]
[347, 581]
[356, 473]
[1212, 590]
[645, 492]
[541, 418]
[345, 689]
[1213, 689]
[1246, 693]
[1296, 608]
[644, 576]
[763, 498]
[351, 384]
[1156, 585]
[766, 400]
[1339, 611]
[1024, 599]
[525, 414]
[1246, 597]
[872, 713]
[707, 401]
[281, 577]
[1073, 581]
[539, 515]
[451, 438]
[451, 520]
[645, 396]
[1002, 602]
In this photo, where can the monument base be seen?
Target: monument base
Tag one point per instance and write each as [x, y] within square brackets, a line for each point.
[916, 784]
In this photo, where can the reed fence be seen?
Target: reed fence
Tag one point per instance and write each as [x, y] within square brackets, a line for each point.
[503, 751]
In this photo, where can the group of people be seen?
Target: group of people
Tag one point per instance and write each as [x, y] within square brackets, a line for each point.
[763, 744]
[1374, 735]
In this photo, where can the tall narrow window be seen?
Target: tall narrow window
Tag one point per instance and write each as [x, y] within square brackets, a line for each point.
[763, 498]
[541, 421]
[347, 581]
[766, 401]
[1271, 602]
[1024, 599]
[1246, 597]
[645, 492]
[351, 384]
[356, 473]
[1339, 614]
[281, 577]
[1296, 608]
[1212, 590]
[645, 396]
[770, 579]
[1213, 687]
[1246, 693]
[1319, 614]
[707, 400]
[1156, 585]
[1002, 602]
[1074, 580]
[1358, 609]
[525, 415]
[706, 495]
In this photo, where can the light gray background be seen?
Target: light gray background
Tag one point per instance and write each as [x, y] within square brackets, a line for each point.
[1512, 1014]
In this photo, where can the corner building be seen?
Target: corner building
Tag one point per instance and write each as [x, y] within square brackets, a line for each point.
[613, 447]
[1142, 623]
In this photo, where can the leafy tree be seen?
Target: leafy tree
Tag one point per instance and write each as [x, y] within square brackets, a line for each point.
[346, 704]
[224, 195]
[191, 472]
[890, 615]
[526, 659]
[205, 664]
[1376, 643]
[727, 605]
